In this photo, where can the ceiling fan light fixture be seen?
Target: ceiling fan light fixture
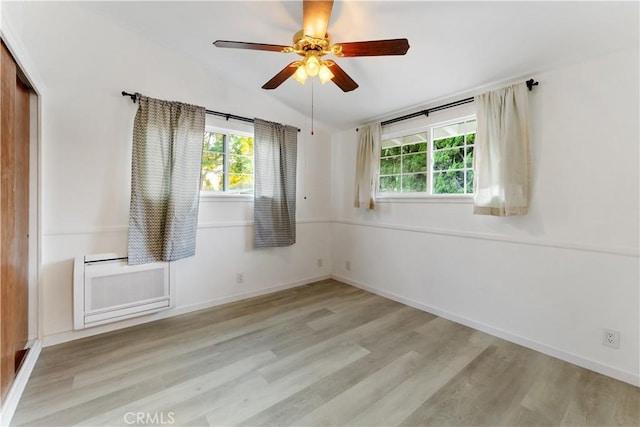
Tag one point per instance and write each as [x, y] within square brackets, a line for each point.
[300, 75]
[325, 74]
[311, 65]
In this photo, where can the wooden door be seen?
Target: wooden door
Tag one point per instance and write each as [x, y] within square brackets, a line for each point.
[14, 219]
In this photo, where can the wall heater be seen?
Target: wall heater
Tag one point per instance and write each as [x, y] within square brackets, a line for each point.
[106, 289]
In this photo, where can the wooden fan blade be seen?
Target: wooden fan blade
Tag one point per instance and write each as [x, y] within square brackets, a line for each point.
[250, 46]
[283, 75]
[340, 78]
[373, 48]
[315, 17]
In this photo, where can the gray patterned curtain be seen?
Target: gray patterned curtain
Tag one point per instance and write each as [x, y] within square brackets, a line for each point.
[274, 210]
[165, 180]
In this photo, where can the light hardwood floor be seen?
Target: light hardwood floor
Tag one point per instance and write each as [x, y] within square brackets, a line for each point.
[318, 355]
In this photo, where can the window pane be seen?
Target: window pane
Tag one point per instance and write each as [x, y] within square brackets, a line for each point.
[405, 140]
[468, 160]
[390, 165]
[241, 173]
[469, 182]
[212, 181]
[414, 183]
[240, 183]
[468, 127]
[241, 145]
[453, 129]
[471, 138]
[448, 159]
[390, 151]
[212, 160]
[241, 164]
[414, 148]
[451, 182]
[213, 142]
[414, 163]
[212, 172]
[454, 141]
[390, 183]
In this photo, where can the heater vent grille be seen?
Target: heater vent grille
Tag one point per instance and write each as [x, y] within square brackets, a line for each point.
[107, 289]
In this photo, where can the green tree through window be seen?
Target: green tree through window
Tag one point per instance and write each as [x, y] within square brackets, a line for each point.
[241, 163]
[403, 164]
[439, 161]
[227, 163]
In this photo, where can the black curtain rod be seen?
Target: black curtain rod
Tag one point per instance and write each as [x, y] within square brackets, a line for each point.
[530, 84]
[213, 113]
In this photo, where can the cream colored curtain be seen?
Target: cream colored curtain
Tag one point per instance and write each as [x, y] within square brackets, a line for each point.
[502, 162]
[367, 166]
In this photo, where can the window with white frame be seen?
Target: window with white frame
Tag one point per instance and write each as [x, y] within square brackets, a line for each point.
[438, 160]
[227, 163]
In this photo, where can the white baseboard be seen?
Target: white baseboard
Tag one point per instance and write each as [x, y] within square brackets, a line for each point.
[67, 336]
[17, 388]
[627, 377]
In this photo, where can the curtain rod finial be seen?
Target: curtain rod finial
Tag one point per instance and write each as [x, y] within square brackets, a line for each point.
[130, 95]
[531, 83]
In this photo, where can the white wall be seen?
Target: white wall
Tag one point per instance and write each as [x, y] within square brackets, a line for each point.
[551, 280]
[87, 125]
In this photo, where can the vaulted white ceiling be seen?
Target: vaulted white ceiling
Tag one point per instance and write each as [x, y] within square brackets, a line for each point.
[455, 46]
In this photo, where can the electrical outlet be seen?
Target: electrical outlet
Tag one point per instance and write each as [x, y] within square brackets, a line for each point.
[347, 265]
[319, 262]
[611, 338]
[240, 278]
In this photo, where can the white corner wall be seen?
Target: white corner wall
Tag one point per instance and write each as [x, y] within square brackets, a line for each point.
[551, 280]
[86, 62]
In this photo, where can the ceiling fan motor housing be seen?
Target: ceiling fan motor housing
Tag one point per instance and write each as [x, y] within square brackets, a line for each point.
[302, 44]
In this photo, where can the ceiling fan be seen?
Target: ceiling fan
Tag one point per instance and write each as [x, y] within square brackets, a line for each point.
[313, 42]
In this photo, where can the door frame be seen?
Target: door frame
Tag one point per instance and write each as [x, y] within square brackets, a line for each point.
[35, 299]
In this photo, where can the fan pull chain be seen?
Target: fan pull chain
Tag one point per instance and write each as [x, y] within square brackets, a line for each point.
[312, 107]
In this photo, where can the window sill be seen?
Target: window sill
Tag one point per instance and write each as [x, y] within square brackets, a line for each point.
[418, 198]
[225, 197]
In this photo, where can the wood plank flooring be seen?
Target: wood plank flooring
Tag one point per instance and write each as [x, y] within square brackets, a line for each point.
[325, 354]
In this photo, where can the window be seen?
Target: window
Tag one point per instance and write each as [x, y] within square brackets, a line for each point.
[436, 161]
[227, 163]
